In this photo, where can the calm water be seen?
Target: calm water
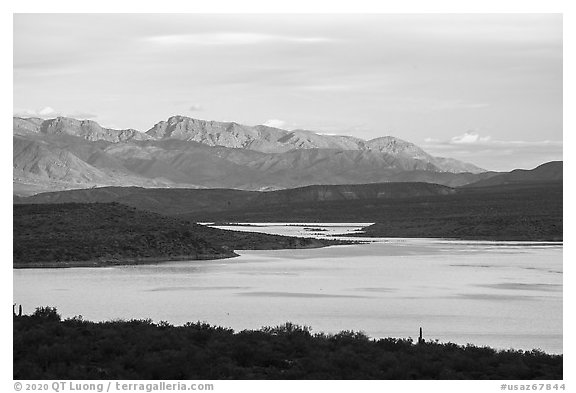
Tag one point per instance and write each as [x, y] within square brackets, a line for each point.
[506, 295]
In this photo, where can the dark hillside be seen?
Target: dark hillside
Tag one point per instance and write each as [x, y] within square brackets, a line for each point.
[527, 210]
[550, 171]
[160, 200]
[521, 212]
[97, 234]
[508, 212]
[343, 192]
[176, 201]
[100, 234]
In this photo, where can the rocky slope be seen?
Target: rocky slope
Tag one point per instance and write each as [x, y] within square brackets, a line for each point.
[87, 129]
[65, 153]
[274, 140]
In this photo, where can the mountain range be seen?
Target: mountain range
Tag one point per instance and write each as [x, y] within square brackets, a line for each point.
[181, 152]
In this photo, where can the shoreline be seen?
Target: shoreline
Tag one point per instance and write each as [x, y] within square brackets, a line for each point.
[157, 260]
[117, 262]
[366, 232]
[494, 239]
[154, 260]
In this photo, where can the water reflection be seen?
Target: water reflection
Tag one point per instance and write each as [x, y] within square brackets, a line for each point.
[466, 292]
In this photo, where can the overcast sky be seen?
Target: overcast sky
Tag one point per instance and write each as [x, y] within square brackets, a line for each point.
[486, 89]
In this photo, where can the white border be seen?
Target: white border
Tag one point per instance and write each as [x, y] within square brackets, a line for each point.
[300, 6]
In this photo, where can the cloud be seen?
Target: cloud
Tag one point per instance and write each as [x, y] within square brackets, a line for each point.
[493, 154]
[469, 137]
[46, 112]
[236, 38]
[49, 113]
[195, 108]
[473, 140]
[275, 123]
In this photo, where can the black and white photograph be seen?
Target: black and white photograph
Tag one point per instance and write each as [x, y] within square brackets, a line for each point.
[287, 196]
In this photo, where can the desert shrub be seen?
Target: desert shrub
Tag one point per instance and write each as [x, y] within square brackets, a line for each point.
[45, 347]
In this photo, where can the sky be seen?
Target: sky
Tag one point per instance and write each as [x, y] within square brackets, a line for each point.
[483, 88]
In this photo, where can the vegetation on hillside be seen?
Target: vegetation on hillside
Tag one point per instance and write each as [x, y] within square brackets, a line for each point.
[73, 234]
[45, 347]
[102, 234]
[508, 212]
[531, 212]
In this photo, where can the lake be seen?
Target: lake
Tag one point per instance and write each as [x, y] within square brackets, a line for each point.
[502, 294]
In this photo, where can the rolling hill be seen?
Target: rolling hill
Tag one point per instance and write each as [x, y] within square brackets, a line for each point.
[205, 201]
[520, 211]
[550, 171]
[103, 234]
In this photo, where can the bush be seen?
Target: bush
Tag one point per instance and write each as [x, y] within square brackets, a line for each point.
[47, 314]
[47, 348]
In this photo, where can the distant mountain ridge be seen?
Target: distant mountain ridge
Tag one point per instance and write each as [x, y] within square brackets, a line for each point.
[64, 153]
[233, 135]
[274, 140]
[87, 129]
